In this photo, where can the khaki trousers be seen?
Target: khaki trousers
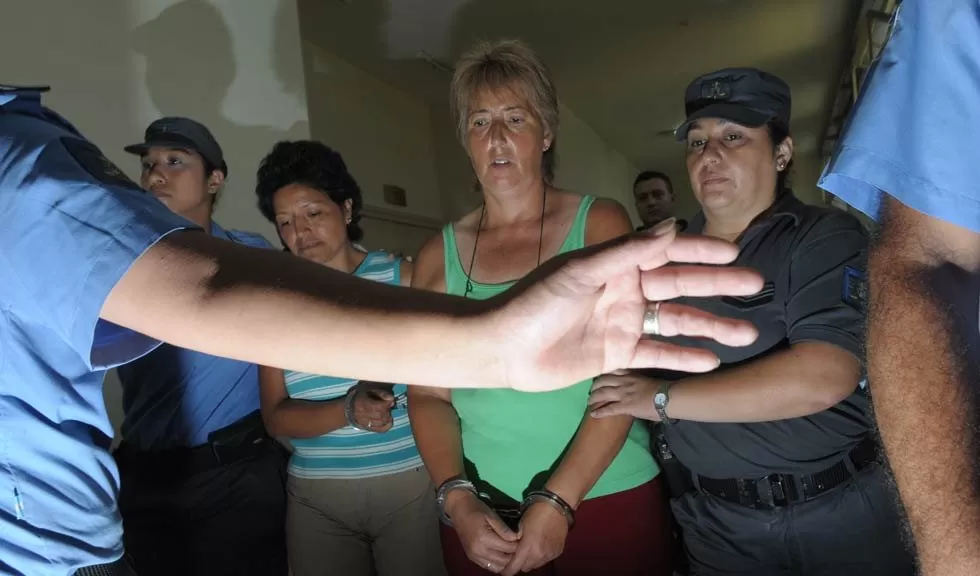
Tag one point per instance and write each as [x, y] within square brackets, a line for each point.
[382, 526]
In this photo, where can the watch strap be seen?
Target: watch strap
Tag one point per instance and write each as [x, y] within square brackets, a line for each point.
[661, 407]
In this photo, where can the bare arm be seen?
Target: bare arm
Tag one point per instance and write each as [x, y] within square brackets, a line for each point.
[406, 269]
[205, 294]
[284, 416]
[435, 423]
[805, 379]
[922, 355]
[435, 426]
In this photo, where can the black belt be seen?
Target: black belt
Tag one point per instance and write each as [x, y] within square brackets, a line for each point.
[120, 567]
[778, 490]
[243, 439]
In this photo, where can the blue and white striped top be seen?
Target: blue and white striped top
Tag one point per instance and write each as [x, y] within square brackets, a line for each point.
[349, 452]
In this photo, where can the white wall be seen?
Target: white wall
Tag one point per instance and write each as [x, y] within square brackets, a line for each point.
[116, 65]
[384, 134]
[588, 165]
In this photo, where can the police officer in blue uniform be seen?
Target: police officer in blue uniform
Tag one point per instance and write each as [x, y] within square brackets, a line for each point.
[191, 423]
[95, 273]
[771, 457]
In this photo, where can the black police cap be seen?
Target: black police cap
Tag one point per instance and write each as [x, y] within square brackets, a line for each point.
[747, 96]
[179, 132]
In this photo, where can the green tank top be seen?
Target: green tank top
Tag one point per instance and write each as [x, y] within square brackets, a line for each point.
[512, 437]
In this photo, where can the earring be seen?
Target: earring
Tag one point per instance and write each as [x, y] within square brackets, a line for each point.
[781, 166]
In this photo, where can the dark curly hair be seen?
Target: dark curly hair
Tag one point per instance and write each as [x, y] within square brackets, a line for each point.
[312, 164]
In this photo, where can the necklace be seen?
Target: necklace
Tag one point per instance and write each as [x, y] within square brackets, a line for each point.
[476, 241]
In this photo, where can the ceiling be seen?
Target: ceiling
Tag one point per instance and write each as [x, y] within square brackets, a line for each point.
[620, 65]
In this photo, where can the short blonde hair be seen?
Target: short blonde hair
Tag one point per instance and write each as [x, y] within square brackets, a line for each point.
[499, 65]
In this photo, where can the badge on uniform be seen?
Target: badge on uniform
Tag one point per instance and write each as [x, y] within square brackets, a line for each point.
[95, 163]
[854, 291]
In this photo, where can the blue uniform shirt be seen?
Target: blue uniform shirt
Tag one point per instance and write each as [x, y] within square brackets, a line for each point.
[914, 130]
[71, 224]
[174, 397]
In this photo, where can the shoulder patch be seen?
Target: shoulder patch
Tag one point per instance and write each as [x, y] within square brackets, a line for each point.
[95, 163]
[854, 289]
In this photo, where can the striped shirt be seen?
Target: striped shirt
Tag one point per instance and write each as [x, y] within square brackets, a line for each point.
[349, 452]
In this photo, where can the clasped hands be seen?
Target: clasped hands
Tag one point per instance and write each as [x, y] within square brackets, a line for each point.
[492, 545]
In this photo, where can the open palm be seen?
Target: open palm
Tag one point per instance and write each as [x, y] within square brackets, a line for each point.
[585, 316]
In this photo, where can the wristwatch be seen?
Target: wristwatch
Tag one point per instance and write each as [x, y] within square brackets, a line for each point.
[660, 400]
[454, 483]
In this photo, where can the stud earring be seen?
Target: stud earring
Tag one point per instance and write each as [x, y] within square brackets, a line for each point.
[781, 166]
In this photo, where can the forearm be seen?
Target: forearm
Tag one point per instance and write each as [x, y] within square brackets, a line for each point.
[799, 381]
[304, 418]
[435, 426]
[204, 294]
[925, 404]
[596, 444]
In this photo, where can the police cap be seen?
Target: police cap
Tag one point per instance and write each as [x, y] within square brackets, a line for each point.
[747, 96]
[179, 132]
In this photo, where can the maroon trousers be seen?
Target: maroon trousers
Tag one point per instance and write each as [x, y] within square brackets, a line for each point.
[624, 534]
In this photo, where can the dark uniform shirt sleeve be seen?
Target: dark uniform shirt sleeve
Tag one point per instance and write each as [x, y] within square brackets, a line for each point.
[825, 301]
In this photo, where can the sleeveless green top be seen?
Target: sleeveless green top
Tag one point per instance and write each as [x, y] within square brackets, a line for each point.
[513, 437]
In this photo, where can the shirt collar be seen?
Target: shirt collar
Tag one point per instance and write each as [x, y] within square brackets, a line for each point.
[218, 231]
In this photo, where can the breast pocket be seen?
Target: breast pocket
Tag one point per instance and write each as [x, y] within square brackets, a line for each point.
[762, 298]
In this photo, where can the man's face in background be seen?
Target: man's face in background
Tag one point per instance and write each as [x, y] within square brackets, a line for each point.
[654, 200]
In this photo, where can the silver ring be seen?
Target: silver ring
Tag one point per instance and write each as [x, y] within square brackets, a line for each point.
[490, 566]
[651, 320]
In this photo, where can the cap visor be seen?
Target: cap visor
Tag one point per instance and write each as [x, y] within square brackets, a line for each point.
[177, 143]
[726, 111]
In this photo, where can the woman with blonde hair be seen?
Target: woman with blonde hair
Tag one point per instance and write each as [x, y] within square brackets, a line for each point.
[515, 471]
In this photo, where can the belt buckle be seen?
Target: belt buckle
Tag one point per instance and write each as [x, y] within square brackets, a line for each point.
[773, 490]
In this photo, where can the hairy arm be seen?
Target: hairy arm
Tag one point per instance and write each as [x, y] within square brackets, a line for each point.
[209, 295]
[922, 355]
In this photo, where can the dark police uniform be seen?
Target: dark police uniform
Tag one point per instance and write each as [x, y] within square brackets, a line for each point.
[71, 225]
[802, 496]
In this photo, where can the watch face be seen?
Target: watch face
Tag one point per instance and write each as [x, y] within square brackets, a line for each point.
[660, 399]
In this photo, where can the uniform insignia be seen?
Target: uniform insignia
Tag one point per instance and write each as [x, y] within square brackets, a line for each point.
[95, 163]
[854, 289]
[762, 297]
[717, 90]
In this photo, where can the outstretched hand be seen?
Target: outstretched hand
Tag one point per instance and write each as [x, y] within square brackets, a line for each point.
[581, 315]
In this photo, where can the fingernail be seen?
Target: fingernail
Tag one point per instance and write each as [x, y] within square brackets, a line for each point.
[664, 227]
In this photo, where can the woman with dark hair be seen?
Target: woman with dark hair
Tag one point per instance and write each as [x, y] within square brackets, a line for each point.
[772, 455]
[359, 500]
